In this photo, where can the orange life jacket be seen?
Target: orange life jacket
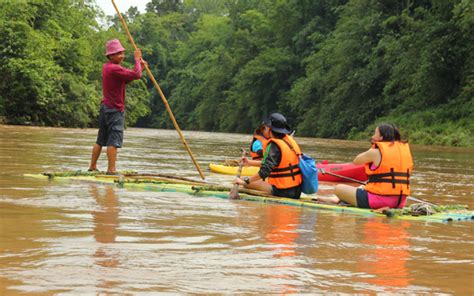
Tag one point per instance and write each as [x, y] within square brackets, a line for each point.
[264, 142]
[287, 174]
[392, 176]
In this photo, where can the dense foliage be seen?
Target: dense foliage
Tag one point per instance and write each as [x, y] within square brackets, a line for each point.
[51, 54]
[335, 68]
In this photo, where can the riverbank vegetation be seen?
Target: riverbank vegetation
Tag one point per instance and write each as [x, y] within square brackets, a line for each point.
[335, 68]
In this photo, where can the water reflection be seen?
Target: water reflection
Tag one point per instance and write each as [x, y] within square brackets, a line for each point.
[106, 223]
[281, 232]
[387, 253]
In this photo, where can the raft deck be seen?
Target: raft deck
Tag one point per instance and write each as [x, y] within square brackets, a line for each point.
[166, 183]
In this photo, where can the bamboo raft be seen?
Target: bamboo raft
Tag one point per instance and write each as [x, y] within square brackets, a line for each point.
[168, 183]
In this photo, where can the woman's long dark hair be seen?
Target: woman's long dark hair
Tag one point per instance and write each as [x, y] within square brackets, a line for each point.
[259, 130]
[389, 132]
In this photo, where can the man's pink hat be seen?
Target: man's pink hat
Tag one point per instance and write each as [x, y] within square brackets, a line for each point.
[113, 46]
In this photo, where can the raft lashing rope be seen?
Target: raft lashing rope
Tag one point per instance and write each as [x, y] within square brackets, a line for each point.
[422, 209]
[452, 212]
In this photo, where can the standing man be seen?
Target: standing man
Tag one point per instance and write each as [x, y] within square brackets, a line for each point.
[112, 106]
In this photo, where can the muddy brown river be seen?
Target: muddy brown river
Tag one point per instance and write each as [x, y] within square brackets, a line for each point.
[82, 238]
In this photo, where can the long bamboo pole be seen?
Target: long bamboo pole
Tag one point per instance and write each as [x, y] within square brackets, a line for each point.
[163, 98]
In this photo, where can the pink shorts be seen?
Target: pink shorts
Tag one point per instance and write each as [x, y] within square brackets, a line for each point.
[374, 201]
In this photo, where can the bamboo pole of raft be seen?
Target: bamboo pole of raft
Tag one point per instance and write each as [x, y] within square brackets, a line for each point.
[163, 98]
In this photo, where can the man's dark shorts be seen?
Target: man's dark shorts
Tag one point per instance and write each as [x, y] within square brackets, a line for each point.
[111, 125]
[294, 192]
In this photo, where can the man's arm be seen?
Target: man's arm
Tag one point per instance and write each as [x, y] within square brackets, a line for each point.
[127, 74]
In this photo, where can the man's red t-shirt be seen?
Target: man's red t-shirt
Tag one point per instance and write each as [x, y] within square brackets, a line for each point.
[114, 78]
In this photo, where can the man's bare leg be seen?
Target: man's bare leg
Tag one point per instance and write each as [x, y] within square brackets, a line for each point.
[111, 158]
[261, 186]
[96, 149]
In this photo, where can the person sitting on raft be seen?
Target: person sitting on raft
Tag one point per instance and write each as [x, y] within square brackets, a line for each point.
[279, 164]
[258, 144]
[257, 148]
[389, 165]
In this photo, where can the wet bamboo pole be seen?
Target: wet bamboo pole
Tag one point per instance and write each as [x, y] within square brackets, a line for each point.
[163, 98]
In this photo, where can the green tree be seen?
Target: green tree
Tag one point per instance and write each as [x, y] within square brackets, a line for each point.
[335, 68]
[162, 7]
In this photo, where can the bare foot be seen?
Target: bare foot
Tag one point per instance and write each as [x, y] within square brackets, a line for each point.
[329, 199]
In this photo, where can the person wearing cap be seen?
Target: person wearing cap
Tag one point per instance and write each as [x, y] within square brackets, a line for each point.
[280, 161]
[112, 107]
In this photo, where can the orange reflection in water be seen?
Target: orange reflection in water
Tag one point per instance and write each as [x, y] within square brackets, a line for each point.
[283, 224]
[387, 253]
[281, 232]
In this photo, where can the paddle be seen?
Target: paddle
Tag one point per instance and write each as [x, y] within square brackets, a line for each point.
[323, 171]
[234, 192]
[163, 98]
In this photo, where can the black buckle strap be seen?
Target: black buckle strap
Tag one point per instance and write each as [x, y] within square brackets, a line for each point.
[292, 174]
[289, 168]
[382, 180]
[393, 177]
[390, 178]
[395, 174]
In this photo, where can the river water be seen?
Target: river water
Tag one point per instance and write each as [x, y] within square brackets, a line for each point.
[81, 238]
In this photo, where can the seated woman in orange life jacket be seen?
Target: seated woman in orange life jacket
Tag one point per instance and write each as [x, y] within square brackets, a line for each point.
[279, 164]
[258, 144]
[257, 147]
[389, 164]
